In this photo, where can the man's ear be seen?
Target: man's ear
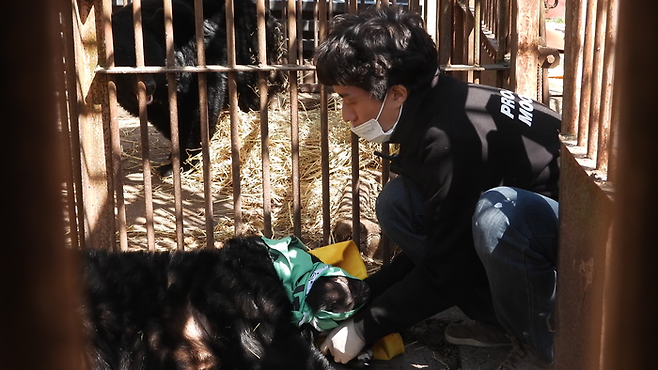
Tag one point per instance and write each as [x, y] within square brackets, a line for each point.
[398, 94]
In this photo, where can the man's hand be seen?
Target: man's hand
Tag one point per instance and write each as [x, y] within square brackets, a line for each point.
[344, 342]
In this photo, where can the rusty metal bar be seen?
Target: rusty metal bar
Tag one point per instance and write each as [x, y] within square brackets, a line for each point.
[264, 121]
[205, 69]
[115, 138]
[445, 31]
[300, 34]
[544, 91]
[573, 45]
[324, 134]
[477, 33]
[66, 144]
[324, 154]
[588, 62]
[386, 173]
[356, 204]
[146, 164]
[143, 125]
[203, 118]
[501, 35]
[597, 79]
[461, 51]
[603, 156]
[117, 166]
[294, 119]
[235, 134]
[356, 201]
[70, 117]
[613, 162]
[173, 120]
[466, 67]
[524, 45]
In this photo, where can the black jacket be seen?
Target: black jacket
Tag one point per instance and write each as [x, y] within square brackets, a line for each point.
[458, 140]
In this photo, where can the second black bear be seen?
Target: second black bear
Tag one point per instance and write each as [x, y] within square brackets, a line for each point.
[246, 36]
[207, 309]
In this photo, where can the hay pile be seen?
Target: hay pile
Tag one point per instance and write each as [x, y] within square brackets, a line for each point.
[281, 170]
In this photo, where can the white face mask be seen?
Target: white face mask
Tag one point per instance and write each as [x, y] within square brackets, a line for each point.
[371, 130]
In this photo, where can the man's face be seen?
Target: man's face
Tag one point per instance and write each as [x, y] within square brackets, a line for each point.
[359, 106]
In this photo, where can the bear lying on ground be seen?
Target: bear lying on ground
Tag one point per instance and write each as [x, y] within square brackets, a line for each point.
[157, 97]
[207, 309]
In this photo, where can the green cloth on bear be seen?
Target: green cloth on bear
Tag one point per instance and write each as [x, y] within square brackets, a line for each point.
[298, 272]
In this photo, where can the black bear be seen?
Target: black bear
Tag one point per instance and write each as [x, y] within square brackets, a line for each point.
[207, 309]
[246, 35]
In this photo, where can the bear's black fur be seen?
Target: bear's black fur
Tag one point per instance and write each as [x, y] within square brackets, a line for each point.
[246, 36]
[207, 309]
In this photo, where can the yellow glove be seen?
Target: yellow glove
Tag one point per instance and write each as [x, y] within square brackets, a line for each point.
[344, 342]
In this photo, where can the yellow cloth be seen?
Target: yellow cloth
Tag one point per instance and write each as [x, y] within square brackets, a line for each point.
[346, 256]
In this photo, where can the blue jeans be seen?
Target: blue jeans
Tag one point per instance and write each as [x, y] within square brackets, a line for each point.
[515, 236]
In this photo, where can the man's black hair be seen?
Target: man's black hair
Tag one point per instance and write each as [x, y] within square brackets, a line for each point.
[375, 50]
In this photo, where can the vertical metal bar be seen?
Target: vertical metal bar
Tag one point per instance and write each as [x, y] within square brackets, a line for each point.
[356, 208]
[356, 201]
[73, 91]
[385, 241]
[173, 120]
[117, 166]
[66, 144]
[613, 162]
[603, 155]
[324, 135]
[331, 10]
[573, 44]
[502, 31]
[264, 121]
[235, 137]
[460, 51]
[445, 31]
[300, 33]
[437, 26]
[69, 117]
[115, 138]
[324, 154]
[143, 125]
[493, 20]
[544, 92]
[588, 62]
[597, 79]
[489, 14]
[203, 118]
[524, 45]
[477, 45]
[294, 122]
[316, 28]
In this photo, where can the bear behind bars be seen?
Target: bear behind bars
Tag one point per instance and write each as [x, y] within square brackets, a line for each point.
[187, 83]
[208, 309]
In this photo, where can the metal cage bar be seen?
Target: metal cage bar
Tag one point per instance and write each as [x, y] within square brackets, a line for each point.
[173, 118]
